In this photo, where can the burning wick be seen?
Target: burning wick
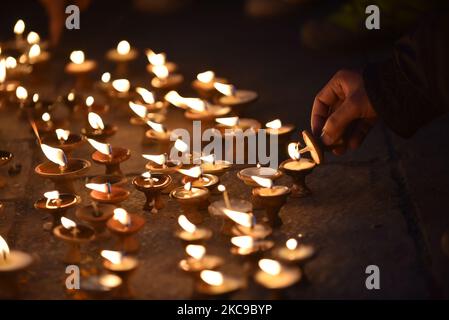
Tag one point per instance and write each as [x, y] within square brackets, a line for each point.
[272, 267]
[197, 252]
[70, 225]
[159, 159]
[241, 218]
[4, 251]
[53, 199]
[227, 202]
[186, 224]
[291, 244]
[212, 278]
[206, 76]
[94, 119]
[62, 135]
[101, 187]
[55, 155]
[122, 216]
[114, 257]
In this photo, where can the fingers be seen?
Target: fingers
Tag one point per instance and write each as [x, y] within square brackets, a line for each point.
[359, 133]
[338, 122]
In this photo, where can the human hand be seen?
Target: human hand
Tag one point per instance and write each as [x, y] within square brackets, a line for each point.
[342, 112]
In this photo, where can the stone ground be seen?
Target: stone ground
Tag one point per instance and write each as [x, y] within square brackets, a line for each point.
[385, 204]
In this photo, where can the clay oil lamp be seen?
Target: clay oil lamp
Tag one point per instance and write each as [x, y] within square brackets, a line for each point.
[276, 277]
[74, 236]
[151, 185]
[19, 29]
[198, 261]
[165, 81]
[213, 284]
[295, 253]
[113, 180]
[7, 87]
[110, 157]
[122, 266]
[234, 98]
[159, 59]
[106, 193]
[245, 225]
[64, 140]
[22, 98]
[37, 58]
[198, 179]
[247, 247]
[209, 165]
[204, 84]
[161, 165]
[60, 170]
[98, 287]
[105, 84]
[56, 205]
[97, 129]
[190, 233]
[147, 99]
[125, 226]
[96, 215]
[298, 167]
[159, 135]
[5, 157]
[121, 89]
[264, 172]
[272, 198]
[191, 200]
[230, 124]
[12, 264]
[122, 55]
[80, 69]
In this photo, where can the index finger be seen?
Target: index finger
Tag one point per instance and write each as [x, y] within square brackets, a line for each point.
[322, 106]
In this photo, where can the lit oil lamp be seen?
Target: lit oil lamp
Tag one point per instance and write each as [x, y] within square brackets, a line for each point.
[271, 198]
[96, 215]
[264, 172]
[298, 167]
[165, 81]
[80, 68]
[22, 97]
[60, 170]
[195, 176]
[12, 264]
[276, 277]
[74, 236]
[159, 59]
[121, 89]
[209, 165]
[205, 112]
[19, 29]
[229, 124]
[247, 247]
[198, 261]
[151, 185]
[160, 164]
[215, 284]
[121, 56]
[123, 266]
[106, 193]
[295, 253]
[5, 157]
[190, 233]
[147, 99]
[56, 205]
[125, 226]
[245, 224]
[7, 87]
[110, 157]
[105, 84]
[98, 287]
[159, 135]
[37, 58]
[191, 199]
[235, 98]
[97, 129]
[204, 84]
[64, 140]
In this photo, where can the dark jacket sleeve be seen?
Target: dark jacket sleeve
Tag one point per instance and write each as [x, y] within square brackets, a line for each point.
[412, 87]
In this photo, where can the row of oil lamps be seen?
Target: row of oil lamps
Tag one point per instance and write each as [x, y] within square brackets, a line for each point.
[218, 101]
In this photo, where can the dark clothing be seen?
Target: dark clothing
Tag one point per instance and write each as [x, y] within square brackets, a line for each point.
[412, 88]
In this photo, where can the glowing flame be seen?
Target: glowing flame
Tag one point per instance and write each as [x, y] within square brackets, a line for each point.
[104, 148]
[33, 38]
[67, 223]
[291, 244]
[196, 251]
[123, 47]
[90, 101]
[71, 96]
[122, 216]
[221, 188]
[213, 278]
[270, 266]
[209, 158]
[226, 89]
[156, 126]
[161, 71]
[35, 51]
[174, 98]
[121, 85]
[159, 159]
[11, 63]
[181, 145]
[146, 95]
[51, 196]
[106, 77]
[62, 134]
[206, 77]
[186, 224]
[21, 93]
[275, 124]
[228, 121]
[95, 120]
[77, 57]
[156, 59]
[55, 155]
[193, 172]
[263, 182]
[2, 70]
[242, 218]
[35, 97]
[293, 151]
[46, 117]
[244, 242]
[195, 104]
[147, 176]
[114, 257]
[4, 250]
[138, 109]
[188, 186]
[19, 27]
[100, 187]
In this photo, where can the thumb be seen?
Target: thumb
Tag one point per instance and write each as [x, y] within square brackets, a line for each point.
[338, 121]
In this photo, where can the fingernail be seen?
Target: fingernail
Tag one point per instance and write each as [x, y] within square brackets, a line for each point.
[326, 139]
